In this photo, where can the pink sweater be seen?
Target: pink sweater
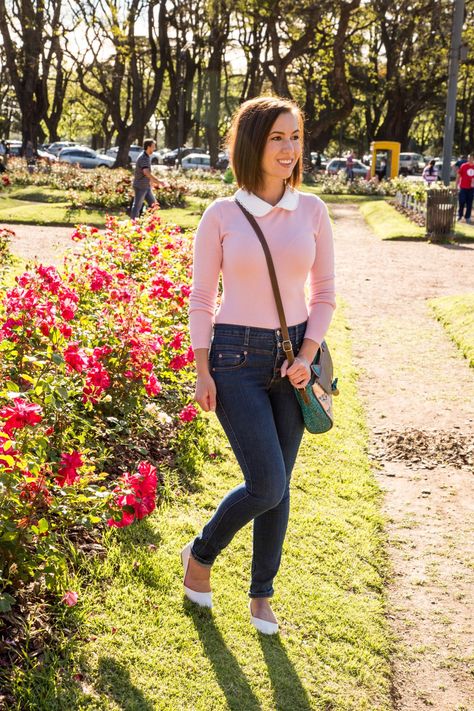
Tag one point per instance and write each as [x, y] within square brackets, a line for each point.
[300, 240]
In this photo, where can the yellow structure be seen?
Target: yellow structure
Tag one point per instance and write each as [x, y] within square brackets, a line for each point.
[388, 151]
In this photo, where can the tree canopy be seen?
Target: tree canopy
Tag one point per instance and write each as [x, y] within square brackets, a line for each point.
[178, 69]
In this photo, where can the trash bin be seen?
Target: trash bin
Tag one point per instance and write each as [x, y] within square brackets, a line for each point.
[441, 206]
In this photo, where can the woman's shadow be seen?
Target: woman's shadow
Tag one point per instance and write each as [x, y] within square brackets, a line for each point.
[114, 680]
[288, 691]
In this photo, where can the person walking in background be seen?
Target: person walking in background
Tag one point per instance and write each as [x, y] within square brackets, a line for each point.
[242, 370]
[430, 172]
[3, 150]
[465, 183]
[144, 179]
[350, 166]
[459, 163]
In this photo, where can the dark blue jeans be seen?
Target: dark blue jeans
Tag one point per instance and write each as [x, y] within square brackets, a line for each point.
[140, 196]
[465, 201]
[260, 415]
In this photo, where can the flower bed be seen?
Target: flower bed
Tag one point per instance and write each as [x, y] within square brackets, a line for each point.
[101, 187]
[95, 386]
[339, 185]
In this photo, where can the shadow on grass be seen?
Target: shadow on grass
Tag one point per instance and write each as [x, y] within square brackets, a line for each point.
[229, 675]
[288, 690]
[114, 681]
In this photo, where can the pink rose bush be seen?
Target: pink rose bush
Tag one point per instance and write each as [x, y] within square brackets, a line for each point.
[95, 379]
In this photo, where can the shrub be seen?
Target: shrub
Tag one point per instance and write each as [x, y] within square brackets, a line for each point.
[339, 185]
[101, 187]
[94, 382]
[5, 254]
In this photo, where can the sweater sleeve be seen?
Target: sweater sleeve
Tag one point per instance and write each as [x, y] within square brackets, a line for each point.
[322, 297]
[207, 265]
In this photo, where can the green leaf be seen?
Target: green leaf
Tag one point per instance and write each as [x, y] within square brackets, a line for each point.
[9, 536]
[27, 377]
[43, 525]
[6, 602]
[57, 358]
[11, 386]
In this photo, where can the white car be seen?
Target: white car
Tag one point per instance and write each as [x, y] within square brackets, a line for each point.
[338, 165]
[196, 161]
[411, 163]
[133, 153]
[85, 157]
[54, 148]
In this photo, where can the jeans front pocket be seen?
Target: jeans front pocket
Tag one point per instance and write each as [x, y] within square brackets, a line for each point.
[227, 357]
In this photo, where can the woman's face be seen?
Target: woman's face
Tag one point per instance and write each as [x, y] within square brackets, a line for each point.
[283, 147]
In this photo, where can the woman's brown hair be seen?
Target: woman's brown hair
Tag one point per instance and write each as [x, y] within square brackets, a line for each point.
[248, 135]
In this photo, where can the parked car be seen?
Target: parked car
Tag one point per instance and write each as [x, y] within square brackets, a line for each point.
[223, 160]
[171, 157]
[85, 157]
[46, 156]
[133, 153]
[196, 161]
[338, 165]
[59, 145]
[15, 148]
[411, 163]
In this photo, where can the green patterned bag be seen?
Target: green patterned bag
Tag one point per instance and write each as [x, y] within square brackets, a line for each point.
[316, 407]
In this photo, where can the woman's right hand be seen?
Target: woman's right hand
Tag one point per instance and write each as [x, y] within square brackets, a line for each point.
[205, 393]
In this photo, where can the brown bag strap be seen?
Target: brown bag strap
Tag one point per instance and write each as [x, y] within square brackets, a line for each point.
[286, 343]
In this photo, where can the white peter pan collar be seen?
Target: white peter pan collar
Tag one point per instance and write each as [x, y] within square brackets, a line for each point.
[259, 208]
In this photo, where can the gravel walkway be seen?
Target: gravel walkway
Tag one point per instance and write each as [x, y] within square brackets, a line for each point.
[46, 244]
[419, 397]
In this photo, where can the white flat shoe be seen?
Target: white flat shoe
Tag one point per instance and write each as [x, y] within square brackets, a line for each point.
[203, 599]
[263, 626]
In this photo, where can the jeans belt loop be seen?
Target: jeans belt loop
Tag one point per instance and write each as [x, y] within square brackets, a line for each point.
[247, 336]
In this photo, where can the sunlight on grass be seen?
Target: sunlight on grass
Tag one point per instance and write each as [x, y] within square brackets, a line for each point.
[456, 313]
[388, 223]
[57, 213]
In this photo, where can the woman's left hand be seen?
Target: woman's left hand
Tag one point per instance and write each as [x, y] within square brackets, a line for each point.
[299, 373]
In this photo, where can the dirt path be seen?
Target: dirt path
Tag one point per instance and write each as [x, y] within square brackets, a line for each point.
[419, 394]
[46, 244]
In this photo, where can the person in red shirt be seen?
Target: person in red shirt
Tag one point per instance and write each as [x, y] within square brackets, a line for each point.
[465, 183]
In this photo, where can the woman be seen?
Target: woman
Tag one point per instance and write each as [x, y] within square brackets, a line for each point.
[244, 375]
[430, 172]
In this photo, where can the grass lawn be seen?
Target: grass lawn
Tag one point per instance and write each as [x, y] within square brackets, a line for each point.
[340, 198]
[29, 212]
[45, 206]
[388, 223]
[456, 313]
[144, 648]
